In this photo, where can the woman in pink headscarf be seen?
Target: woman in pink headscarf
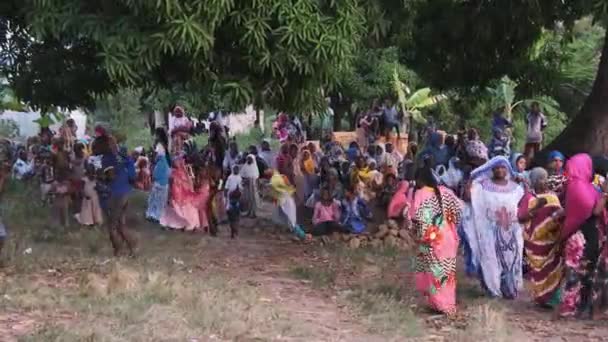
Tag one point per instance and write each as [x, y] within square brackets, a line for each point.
[583, 233]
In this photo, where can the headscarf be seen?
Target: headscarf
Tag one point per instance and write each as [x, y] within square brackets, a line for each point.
[309, 164]
[250, 170]
[485, 170]
[557, 155]
[399, 200]
[476, 149]
[280, 185]
[581, 195]
[514, 159]
[361, 175]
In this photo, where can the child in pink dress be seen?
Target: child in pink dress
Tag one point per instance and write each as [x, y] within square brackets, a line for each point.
[326, 216]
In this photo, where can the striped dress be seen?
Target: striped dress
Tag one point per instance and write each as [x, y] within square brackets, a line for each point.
[542, 248]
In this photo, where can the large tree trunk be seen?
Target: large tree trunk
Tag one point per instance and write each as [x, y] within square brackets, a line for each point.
[588, 132]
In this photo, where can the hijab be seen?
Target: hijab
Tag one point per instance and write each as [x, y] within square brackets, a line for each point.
[581, 195]
[485, 171]
[557, 155]
[250, 170]
[309, 164]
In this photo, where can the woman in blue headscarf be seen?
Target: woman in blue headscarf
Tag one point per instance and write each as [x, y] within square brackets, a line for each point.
[492, 231]
[160, 190]
[519, 164]
[557, 176]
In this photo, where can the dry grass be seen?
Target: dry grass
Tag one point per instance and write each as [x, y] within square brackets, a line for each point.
[127, 305]
[318, 276]
[383, 310]
[488, 323]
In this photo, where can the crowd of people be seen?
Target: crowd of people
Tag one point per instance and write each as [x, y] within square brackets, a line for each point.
[546, 225]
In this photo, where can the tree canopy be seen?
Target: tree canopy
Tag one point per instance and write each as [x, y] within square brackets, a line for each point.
[286, 50]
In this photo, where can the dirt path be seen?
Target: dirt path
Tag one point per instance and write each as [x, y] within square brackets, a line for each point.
[265, 260]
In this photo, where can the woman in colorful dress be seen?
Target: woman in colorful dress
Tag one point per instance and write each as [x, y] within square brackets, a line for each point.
[435, 214]
[160, 189]
[540, 211]
[493, 233]
[557, 177]
[182, 212]
[585, 251]
[202, 188]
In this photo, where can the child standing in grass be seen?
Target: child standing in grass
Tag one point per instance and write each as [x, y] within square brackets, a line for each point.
[47, 178]
[61, 201]
[90, 212]
[234, 211]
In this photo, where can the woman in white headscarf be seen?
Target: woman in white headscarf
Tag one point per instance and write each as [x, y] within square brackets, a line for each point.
[250, 174]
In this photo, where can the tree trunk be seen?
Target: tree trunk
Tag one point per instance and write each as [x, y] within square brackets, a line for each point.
[588, 131]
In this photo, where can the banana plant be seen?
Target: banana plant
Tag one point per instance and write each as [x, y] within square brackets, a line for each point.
[8, 100]
[413, 103]
[504, 96]
[46, 120]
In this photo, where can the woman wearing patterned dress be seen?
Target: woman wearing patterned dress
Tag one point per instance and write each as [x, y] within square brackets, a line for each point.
[492, 230]
[584, 290]
[435, 214]
[541, 212]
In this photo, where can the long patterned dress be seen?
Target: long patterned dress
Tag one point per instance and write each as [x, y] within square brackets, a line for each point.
[585, 286]
[542, 248]
[182, 211]
[435, 225]
[495, 237]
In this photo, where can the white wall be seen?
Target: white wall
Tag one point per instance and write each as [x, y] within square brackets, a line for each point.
[28, 128]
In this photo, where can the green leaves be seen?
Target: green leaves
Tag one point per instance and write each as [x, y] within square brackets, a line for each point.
[290, 49]
[417, 101]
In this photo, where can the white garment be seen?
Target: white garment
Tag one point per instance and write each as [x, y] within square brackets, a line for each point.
[175, 122]
[234, 182]
[250, 170]
[495, 235]
[21, 168]
[160, 149]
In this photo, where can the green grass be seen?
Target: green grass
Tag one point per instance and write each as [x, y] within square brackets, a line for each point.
[318, 276]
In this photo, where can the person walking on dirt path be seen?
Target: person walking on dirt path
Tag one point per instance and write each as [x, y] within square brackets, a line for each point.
[120, 172]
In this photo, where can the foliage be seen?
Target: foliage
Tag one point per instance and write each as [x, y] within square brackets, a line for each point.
[416, 101]
[8, 100]
[470, 43]
[8, 128]
[504, 98]
[49, 119]
[369, 77]
[283, 49]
